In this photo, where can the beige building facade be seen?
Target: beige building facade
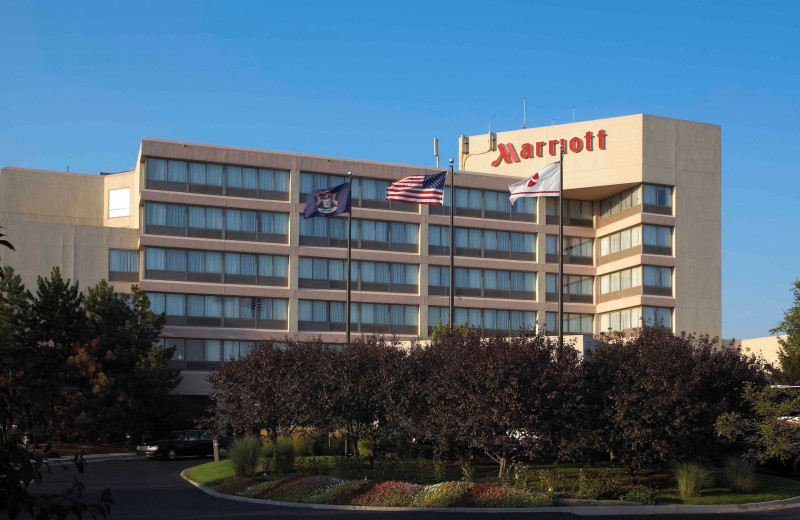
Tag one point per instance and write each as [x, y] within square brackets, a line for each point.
[215, 235]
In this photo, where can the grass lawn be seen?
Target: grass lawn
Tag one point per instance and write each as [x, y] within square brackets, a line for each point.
[211, 473]
[771, 488]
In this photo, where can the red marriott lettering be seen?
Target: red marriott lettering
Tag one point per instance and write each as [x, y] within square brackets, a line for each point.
[508, 153]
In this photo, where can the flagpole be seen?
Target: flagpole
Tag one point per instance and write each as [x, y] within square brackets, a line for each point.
[452, 248]
[349, 253]
[561, 249]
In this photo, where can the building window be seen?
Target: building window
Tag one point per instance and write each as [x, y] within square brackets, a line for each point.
[657, 195]
[318, 181]
[621, 280]
[123, 261]
[205, 174]
[366, 317]
[119, 203]
[660, 236]
[487, 204]
[572, 323]
[657, 276]
[657, 316]
[573, 246]
[205, 218]
[620, 202]
[573, 284]
[620, 241]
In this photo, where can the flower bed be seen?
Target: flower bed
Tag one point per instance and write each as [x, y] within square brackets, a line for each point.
[332, 490]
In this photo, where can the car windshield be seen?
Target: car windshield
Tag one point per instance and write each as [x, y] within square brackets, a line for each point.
[174, 436]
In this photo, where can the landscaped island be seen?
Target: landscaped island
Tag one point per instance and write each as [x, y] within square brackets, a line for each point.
[527, 486]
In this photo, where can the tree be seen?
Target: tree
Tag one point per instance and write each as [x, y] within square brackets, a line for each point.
[789, 351]
[276, 387]
[125, 331]
[657, 395]
[508, 397]
[763, 425]
[359, 381]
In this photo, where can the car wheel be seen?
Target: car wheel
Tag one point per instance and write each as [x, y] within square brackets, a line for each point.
[172, 455]
[223, 452]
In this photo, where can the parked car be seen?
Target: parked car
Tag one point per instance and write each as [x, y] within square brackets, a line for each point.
[195, 443]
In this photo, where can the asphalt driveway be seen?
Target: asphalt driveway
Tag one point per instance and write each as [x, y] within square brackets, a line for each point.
[149, 489]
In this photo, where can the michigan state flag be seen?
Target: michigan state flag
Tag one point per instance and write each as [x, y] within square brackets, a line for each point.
[328, 202]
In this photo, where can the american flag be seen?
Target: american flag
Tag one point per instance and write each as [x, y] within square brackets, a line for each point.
[418, 189]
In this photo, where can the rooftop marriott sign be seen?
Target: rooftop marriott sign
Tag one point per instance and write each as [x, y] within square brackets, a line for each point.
[508, 153]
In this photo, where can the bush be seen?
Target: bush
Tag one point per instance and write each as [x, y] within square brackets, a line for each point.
[741, 475]
[244, 454]
[344, 493]
[303, 445]
[551, 481]
[523, 476]
[641, 495]
[692, 478]
[598, 484]
[467, 472]
[234, 485]
[268, 446]
[284, 456]
[445, 494]
[439, 470]
[365, 447]
[494, 496]
[316, 465]
[347, 468]
[389, 494]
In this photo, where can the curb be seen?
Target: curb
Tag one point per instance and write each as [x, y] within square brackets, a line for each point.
[575, 510]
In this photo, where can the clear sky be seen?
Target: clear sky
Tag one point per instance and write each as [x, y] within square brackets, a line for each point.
[82, 83]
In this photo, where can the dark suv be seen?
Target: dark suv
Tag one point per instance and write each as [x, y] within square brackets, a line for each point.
[195, 443]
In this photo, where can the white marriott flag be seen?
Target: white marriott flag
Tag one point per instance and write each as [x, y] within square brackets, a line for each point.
[544, 183]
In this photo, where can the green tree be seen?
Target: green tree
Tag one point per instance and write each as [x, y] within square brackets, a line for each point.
[130, 372]
[789, 351]
[763, 425]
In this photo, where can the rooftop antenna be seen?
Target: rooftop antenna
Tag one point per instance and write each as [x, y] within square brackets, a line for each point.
[68, 168]
[573, 113]
[524, 111]
[436, 150]
[554, 121]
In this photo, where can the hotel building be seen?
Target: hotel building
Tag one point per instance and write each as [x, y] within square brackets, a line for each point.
[215, 236]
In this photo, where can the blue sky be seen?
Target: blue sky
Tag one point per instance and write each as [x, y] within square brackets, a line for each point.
[84, 82]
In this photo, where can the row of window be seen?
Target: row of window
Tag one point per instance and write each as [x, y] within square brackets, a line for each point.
[573, 284]
[648, 275]
[360, 313]
[511, 322]
[173, 215]
[573, 209]
[211, 262]
[573, 246]
[369, 230]
[482, 239]
[488, 319]
[206, 306]
[371, 272]
[217, 175]
[207, 350]
[651, 195]
[491, 279]
[636, 317]
[660, 236]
